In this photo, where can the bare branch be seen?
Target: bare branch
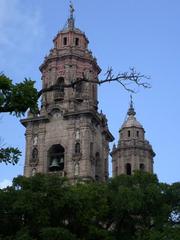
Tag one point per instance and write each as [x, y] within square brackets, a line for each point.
[124, 79]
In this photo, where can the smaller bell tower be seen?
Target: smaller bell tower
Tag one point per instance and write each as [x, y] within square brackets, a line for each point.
[133, 151]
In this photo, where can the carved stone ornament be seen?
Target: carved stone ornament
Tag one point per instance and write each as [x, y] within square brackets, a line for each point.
[35, 140]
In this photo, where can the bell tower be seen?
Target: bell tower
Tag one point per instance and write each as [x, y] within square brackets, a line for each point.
[69, 137]
[133, 151]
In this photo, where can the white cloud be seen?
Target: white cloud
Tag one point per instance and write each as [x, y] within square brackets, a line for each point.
[20, 26]
[5, 183]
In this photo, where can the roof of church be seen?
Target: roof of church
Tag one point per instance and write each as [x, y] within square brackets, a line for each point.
[131, 120]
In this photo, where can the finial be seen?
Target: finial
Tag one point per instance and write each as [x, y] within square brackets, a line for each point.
[71, 18]
[131, 101]
[131, 107]
[71, 9]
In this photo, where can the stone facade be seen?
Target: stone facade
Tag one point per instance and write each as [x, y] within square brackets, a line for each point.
[133, 151]
[69, 136]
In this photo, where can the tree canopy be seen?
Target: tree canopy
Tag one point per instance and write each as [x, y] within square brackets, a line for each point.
[16, 99]
[48, 207]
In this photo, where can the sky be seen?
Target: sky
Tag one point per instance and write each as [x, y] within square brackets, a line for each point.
[144, 34]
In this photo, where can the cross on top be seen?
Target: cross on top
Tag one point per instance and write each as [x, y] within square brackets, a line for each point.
[71, 9]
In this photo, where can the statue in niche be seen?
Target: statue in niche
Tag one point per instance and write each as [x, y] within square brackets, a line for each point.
[34, 158]
[35, 140]
[76, 169]
[77, 134]
[57, 114]
[33, 171]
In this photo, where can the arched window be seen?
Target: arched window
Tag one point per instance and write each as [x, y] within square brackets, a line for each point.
[56, 158]
[129, 133]
[78, 85]
[60, 83]
[77, 148]
[77, 41]
[128, 169]
[65, 41]
[142, 167]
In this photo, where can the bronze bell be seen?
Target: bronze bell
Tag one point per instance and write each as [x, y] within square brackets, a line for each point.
[54, 166]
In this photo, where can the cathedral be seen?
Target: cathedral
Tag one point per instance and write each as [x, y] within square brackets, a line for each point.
[69, 136]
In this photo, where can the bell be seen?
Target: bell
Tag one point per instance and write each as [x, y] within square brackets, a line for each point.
[61, 160]
[54, 166]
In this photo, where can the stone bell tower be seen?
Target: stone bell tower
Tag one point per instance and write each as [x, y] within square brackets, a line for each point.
[69, 137]
[133, 151]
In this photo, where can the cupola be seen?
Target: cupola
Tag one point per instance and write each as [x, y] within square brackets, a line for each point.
[131, 128]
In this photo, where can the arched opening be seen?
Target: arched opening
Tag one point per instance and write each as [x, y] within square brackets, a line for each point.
[79, 86]
[77, 148]
[56, 158]
[59, 90]
[128, 169]
[77, 41]
[60, 83]
[65, 41]
[78, 89]
[142, 167]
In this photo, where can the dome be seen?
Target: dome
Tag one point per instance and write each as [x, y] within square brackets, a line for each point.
[131, 122]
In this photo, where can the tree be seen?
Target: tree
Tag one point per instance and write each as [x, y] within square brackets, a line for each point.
[15, 99]
[134, 207]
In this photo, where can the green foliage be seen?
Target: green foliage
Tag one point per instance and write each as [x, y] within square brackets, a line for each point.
[56, 234]
[134, 207]
[16, 99]
[9, 155]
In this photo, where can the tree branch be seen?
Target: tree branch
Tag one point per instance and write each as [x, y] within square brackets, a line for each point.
[124, 79]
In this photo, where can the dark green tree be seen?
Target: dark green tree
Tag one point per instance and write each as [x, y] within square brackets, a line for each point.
[134, 207]
[16, 99]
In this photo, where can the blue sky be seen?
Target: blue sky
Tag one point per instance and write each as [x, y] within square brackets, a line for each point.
[122, 34]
